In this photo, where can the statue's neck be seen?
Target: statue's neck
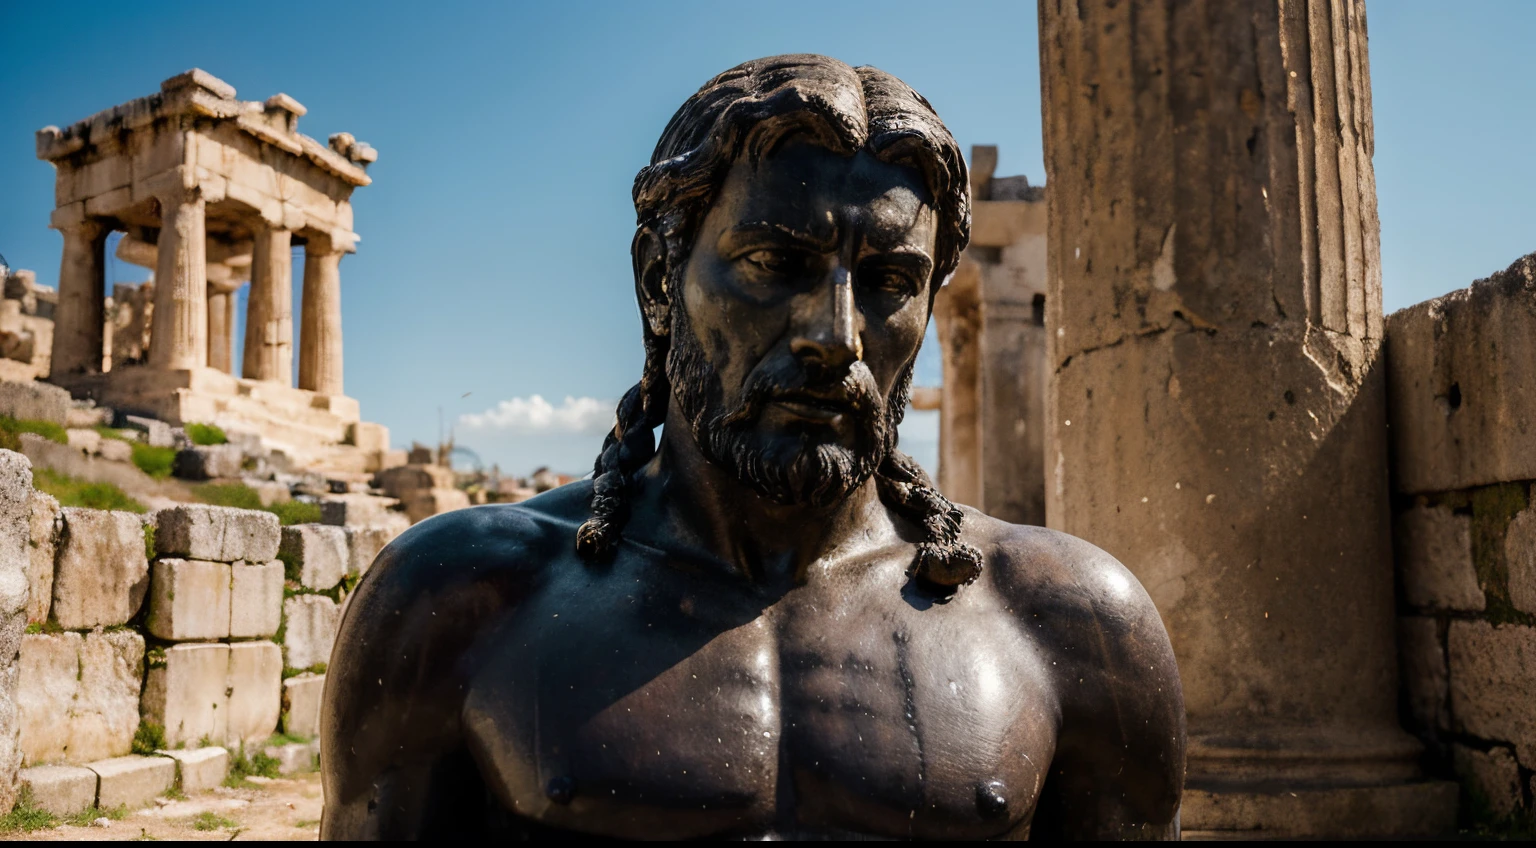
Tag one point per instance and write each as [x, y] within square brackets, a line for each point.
[695, 505]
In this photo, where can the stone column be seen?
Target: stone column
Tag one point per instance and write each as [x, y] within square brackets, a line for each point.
[179, 336]
[269, 309]
[957, 317]
[320, 335]
[221, 326]
[79, 319]
[1216, 418]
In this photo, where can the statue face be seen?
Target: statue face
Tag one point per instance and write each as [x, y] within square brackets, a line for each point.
[802, 307]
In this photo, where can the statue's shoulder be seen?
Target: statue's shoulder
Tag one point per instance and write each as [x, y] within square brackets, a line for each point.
[1079, 591]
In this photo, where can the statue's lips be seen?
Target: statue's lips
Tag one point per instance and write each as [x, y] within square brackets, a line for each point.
[814, 407]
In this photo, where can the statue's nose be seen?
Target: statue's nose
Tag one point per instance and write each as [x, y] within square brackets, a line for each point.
[830, 327]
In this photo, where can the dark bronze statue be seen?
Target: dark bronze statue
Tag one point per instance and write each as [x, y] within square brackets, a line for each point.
[771, 624]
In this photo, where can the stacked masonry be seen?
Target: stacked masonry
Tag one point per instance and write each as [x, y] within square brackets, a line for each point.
[1462, 383]
[175, 623]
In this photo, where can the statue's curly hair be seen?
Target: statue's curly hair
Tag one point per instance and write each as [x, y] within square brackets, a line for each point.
[749, 111]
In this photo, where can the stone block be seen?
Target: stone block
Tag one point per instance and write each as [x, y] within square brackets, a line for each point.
[61, 790]
[1434, 558]
[189, 600]
[255, 691]
[368, 436]
[1461, 383]
[34, 402]
[85, 441]
[207, 462]
[1493, 673]
[1520, 559]
[156, 433]
[364, 545]
[407, 480]
[199, 769]
[45, 523]
[310, 630]
[295, 757]
[78, 695]
[1494, 774]
[132, 781]
[424, 505]
[255, 600]
[271, 492]
[186, 693]
[88, 417]
[217, 533]
[355, 510]
[316, 554]
[301, 705]
[1424, 674]
[116, 450]
[101, 573]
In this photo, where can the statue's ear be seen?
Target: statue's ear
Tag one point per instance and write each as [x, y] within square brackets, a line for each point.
[649, 253]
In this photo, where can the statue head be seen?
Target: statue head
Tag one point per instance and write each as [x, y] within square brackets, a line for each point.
[796, 221]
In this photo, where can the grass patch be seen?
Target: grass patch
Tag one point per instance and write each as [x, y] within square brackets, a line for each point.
[206, 434]
[175, 794]
[307, 823]
[156, 462]
[12, 428]
[149, 542]
[92, 813]
[212, 821]
[25, 817]
[72, 491]
[317, 668]
[149, 738]
[242, 766]
[295, 512]
[50, 627]
[237, 495]
[281, 738]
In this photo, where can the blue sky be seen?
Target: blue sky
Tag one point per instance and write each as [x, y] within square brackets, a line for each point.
[494, 262]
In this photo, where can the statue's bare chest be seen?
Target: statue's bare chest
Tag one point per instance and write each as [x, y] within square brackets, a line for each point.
[824, 712]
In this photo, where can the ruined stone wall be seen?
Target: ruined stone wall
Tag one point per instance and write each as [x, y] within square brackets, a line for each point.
[188, 635]
[1462, 401]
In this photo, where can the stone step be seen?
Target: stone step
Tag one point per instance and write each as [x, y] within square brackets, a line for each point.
[132, 781]
[61, 790]
[198, 769]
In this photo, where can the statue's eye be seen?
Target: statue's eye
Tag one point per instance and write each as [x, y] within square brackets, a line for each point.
[888, 280]
[775, 261]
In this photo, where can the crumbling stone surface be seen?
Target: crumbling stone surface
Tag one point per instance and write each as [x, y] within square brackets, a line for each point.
[189, 600]
[423, 505]
[207, 462]
[34, 401]
[15, 560]
[46, 521]
[255, 600]
[355, 510]
[1434, 555]
[1424, 673]
[78, 696]
[199, 769]
[1461, 376]
[1493, 773]
[301, 705]
[216, 533]
[132, 781]
[255, 691]
[116, 450]
[102, 574]
[85, 441]
[407, 480]
[1520, 559]
[1493, 673]
[61, 790]
[364, 545]
[186, 693]
[318, 552]
[156, 433]
[310, 631]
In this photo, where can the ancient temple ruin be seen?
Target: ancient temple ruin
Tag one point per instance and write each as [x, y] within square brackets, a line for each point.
[210, 192]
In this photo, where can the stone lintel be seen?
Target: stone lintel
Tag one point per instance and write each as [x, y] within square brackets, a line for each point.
[1000, 223]
[199, 78]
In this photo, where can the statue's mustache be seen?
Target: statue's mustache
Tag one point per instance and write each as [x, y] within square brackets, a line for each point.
[853, 388]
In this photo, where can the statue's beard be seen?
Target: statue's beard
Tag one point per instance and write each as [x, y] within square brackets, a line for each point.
[785, 466]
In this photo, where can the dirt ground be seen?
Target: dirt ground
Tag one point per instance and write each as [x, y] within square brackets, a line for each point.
[283, 809]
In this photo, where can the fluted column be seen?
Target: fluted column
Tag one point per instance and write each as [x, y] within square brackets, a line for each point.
[957, 317]
[221, 326]
[79, 321]
[320, 335]
[1217, 411]
[179, 338]
[269, 309]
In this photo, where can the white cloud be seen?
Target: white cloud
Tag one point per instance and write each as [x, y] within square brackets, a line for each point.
[535, 415]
